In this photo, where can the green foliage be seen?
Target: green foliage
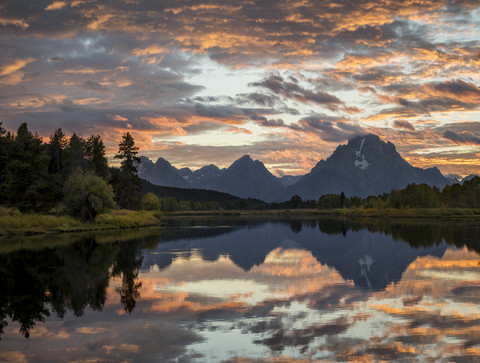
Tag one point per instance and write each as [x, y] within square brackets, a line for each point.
[57, 152]
[295, 201]
[4, 144]
[87, 195]
[169, 204]
[462, 196]
[128, 219]
[150, 202]
[126, 183]
[27, 184]
[329, 201]
[415, 196]
[76, 154]
[95, 153]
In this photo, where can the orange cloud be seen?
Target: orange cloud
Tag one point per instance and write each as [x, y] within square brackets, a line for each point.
[56, 5]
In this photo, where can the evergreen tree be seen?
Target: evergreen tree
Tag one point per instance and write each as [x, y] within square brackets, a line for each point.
[56, 167]
[95, 152]
[76, 155]
[56, 150]
[27, 182]
[127, 183]
[3, 160]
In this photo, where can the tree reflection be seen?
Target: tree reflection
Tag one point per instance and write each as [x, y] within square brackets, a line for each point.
[68, 278]
[127, 266]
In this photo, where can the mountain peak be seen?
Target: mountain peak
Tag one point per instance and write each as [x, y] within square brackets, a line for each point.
[369, 138]
[245, 157]
[162, 162]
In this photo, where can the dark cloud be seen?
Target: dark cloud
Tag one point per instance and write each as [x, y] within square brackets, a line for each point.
[291, 90]
[95, 86]
[403, 124]
[462, 138]
[160, 60]
[263, 121]
[331, 129]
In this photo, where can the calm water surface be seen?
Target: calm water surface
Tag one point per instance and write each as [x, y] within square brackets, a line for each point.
[219, 290]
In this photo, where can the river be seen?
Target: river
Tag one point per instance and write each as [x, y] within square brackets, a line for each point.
[215, 290]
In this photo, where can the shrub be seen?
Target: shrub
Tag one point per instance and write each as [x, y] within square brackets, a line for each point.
[150, 202]
[87, 195]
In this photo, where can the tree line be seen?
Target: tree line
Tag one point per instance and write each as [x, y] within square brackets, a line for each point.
[70, 174]
[466, 195]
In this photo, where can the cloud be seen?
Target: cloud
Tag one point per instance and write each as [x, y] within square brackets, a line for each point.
[56, 5]
[457, 89]
[95, 86]
[331, 129]
[381, 63]
[292, 90]
[403, 124]
[462, 138]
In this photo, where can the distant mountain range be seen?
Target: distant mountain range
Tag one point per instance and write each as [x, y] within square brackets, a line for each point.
[365, 166]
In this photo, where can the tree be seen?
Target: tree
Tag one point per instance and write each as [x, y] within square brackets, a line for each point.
[329, 201]
[28, 186]
[56, 150]
[95, 153]
[87, 195]
[151, 202]
[76, 154]
[3, 160]
[127, 184]
[295, 201]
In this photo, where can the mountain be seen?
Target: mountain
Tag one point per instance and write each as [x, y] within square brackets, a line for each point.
[248, 178]
[160, 173]
[225, 200]
[453, 178]
[206, 176]
[469, 177]
[245, 178]
[288, 180]
[365, 166]
[371, 260]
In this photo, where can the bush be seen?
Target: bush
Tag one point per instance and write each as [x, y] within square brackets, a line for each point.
[124, 218]
[87, 195]
[150, 202]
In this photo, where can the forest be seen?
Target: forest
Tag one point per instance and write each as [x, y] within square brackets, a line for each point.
[71, 176]
[66, 175]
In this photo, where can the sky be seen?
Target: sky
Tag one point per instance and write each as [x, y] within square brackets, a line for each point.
[201, 82]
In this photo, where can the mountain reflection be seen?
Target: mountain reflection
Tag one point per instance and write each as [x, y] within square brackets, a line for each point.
[312, 289]
[367, 253]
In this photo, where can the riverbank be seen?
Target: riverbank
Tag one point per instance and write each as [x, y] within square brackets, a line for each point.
[358, 212]
[13, 222]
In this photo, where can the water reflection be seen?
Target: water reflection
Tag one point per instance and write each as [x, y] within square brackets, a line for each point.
[210, 290]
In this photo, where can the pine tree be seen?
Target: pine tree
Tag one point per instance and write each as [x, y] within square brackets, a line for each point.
[28, 186]
[56, 149]
[3, 160]
[126, 183]
[76, 155]
[95, 152]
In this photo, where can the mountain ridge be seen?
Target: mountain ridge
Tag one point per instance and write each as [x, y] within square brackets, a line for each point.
[364, 166]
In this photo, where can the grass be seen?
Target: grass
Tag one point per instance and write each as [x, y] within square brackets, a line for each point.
[353, 212]
[14, 222]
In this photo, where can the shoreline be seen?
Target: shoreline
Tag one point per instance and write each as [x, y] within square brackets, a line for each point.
[15, 223]
[450, 213]
[18, 224]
